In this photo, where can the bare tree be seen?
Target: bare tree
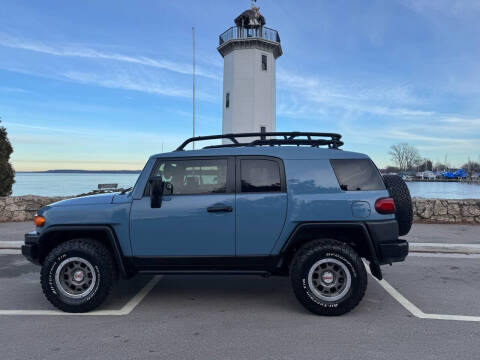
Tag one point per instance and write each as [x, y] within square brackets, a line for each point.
[405, 156]
[471, 167]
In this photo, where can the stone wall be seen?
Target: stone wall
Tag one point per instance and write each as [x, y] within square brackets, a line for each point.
[446, 211]
[22, 208]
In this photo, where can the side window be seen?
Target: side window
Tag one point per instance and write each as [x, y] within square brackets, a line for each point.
[357, 174]
[227, 100]
[264, 62]
[189, 177]
[260, 176]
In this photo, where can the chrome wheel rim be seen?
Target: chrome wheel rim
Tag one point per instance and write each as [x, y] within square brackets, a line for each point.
[329, 279]
[75, 278]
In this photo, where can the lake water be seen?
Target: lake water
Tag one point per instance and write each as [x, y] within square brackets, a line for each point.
[444, 190]
[54, 184]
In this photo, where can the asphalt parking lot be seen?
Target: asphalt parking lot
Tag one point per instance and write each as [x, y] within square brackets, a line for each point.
[239, 317]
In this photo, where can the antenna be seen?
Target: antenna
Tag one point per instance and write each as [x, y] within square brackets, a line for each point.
[193, 105]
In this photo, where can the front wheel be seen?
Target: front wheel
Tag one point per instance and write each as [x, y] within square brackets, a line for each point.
[328, 277]
[77, 275]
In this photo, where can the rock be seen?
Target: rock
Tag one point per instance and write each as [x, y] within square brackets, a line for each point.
[446, 211]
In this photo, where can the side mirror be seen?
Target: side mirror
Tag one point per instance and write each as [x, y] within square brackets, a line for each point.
[156, 192]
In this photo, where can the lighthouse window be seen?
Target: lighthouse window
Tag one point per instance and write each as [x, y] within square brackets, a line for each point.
[264, 62]
[227, 100]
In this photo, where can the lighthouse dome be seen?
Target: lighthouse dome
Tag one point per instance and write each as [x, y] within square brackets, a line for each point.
[250, 18]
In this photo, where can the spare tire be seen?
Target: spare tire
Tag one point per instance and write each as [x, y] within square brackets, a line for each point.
[398, 190]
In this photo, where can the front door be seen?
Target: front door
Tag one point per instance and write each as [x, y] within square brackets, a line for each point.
[197, 214]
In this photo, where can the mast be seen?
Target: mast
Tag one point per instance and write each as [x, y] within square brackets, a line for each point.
[193, 102]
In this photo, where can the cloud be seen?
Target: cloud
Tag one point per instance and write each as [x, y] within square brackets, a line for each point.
[142, 83]
[455, 8]
[13, 90]
[85, 52]
[303, 95]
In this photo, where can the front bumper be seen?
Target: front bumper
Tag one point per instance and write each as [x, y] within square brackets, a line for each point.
[30, 249]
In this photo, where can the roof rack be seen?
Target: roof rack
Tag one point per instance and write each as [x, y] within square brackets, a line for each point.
[313, 139]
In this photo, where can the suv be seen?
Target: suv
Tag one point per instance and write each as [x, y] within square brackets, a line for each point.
[279, 203]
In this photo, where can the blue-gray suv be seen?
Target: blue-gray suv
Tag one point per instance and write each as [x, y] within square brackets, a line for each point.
[284, 203]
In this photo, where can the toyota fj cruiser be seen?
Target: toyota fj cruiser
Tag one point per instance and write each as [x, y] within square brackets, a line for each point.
[289, 204]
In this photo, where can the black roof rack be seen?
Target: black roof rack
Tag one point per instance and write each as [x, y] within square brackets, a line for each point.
[313, 139]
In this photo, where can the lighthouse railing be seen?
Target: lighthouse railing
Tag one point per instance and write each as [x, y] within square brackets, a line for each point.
[260, 32]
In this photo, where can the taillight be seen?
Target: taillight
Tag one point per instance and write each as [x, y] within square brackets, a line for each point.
[385, 206]
[38, 220]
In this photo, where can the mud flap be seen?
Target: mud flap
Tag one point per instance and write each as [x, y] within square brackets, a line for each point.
[375, 270]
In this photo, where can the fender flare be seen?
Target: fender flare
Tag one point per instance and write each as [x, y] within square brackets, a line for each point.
[123, 265]
[370, 244]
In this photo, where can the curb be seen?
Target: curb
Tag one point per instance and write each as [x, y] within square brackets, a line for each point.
[445, 248]
[413, 247]
[11, 245]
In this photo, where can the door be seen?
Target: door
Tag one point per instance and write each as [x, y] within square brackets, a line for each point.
[197, 214]
[261, 204]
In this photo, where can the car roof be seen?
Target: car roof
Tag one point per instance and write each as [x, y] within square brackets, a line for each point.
[283, 152]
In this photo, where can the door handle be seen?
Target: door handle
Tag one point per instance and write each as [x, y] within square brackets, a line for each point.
[219, 208]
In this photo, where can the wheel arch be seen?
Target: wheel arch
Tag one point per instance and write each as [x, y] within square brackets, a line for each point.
[58, 234]
[355, 234]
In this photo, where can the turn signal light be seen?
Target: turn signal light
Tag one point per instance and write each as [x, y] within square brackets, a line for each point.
[385, 206]
[38, 220]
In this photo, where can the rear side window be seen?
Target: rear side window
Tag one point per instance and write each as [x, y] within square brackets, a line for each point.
[260, 176]
[357, 174]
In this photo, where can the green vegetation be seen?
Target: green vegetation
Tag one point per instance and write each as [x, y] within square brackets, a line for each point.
[7, 174]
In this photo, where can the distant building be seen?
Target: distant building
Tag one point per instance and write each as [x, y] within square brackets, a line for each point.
[249, 50]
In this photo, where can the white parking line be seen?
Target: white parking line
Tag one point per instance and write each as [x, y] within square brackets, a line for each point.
[125, 310]
[413, 309]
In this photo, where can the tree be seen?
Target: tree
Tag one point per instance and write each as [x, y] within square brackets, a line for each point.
[391, 169]
[7, 174]
[426, 165]
[471, 167]
[405, 156]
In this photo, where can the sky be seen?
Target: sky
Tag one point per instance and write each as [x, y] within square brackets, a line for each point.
[104, 84]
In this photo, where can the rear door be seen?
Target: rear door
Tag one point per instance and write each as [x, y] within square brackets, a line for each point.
[261, 204]
[197, 216]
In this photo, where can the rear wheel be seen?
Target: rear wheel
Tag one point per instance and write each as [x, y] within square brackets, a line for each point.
[77, 275]
[328, 277]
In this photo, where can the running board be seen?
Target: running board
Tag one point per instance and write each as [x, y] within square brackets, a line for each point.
[205, 272]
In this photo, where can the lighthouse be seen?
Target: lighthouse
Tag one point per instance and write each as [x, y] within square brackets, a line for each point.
[249, 50]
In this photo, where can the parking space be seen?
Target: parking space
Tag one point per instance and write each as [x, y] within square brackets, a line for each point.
[245, 317]
[21, 290]
[439, 285]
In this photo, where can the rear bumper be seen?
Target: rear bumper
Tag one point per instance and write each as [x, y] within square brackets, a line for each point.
[388, 246]
[394, 251]
[30, 249]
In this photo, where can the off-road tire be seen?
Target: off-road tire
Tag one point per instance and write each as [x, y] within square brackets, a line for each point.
[308, 256]
[398, 190]
[104, 267]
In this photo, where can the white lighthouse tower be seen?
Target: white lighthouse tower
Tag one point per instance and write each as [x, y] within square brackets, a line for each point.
[249, 50]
